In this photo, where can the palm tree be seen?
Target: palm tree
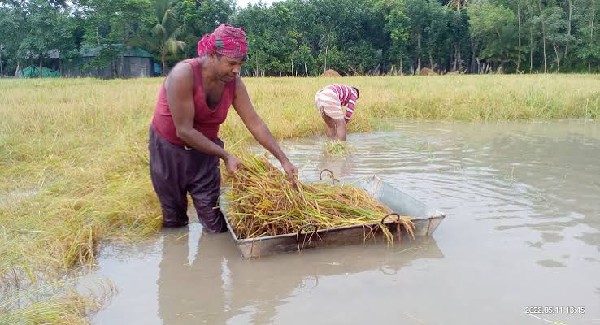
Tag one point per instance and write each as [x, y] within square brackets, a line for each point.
[166, 31]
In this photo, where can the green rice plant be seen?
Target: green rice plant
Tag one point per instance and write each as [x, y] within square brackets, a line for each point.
[337, 148]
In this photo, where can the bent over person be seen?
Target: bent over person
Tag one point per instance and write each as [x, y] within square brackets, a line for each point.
[184, 145]
[330, 102]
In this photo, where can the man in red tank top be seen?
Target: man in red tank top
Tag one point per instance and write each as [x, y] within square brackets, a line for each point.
[184, 146]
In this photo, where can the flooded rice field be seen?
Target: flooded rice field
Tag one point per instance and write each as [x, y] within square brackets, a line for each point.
[520, 243]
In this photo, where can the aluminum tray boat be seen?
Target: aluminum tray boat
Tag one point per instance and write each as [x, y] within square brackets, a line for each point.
[426, 221]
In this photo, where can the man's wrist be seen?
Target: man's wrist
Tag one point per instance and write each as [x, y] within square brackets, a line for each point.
[283, 160]
[224, 155]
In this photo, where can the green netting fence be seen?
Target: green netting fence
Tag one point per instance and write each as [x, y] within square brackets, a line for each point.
[34, 72]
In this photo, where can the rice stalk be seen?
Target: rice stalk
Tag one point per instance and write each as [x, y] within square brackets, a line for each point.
[337, 148]
[263, 202]
[57, 302]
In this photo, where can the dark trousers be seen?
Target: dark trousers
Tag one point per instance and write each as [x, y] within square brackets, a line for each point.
[176, 171]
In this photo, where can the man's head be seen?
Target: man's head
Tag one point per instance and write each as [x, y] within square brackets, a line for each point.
[225, 40]
[357, 92]
[227, 47]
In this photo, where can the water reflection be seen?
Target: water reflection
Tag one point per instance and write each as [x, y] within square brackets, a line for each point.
[203, 278]
[340, 165]
[188, 288]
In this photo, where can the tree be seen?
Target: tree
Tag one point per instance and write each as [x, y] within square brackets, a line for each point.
[12, 27]
[165, 33]
[435, 36]
[397, 24]
[539, 19]
[115, 22]
[46, 29]
[459, 39]
[557, 32]
[493, 26]
[199, 18]
[587, 33]
[418, 10]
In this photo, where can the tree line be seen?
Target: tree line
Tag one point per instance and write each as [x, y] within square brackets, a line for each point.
[307, 37]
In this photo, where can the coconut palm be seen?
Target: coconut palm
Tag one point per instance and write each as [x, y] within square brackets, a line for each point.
[166, 31]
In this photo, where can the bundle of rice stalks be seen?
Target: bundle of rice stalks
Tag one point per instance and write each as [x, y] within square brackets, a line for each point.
[263, 202]
[337, 148]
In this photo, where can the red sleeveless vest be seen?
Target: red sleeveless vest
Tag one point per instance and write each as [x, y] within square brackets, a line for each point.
[206, 121]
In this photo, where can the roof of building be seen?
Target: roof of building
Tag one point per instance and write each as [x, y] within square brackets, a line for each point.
[91, 51]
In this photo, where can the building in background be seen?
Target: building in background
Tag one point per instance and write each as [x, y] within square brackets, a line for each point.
[109, 63]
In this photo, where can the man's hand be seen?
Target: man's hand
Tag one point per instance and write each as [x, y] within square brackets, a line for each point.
[290, 170]
[231, 163]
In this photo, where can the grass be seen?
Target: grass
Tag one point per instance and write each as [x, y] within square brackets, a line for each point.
[54, 302]
[74, 164]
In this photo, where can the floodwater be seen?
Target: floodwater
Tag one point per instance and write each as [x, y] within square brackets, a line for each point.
[522, 201]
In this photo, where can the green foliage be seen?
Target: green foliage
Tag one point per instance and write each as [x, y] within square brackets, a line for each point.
[397, 25]
[199, 19]
[33, 29]
[587, 35]
[493, 26]
[306, 37]
[115, 22]
[164, 38]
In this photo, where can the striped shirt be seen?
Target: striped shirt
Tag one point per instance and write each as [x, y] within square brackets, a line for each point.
[347, 96]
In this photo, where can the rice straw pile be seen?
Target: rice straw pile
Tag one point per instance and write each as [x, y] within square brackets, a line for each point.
[263, 202]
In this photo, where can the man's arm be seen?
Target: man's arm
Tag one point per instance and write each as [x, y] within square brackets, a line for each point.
[258, 128]
[179, 86]
[350, 107]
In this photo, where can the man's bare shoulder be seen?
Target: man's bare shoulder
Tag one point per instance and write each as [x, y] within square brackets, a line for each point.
[239, 82]
[181, 73]
[240, 87]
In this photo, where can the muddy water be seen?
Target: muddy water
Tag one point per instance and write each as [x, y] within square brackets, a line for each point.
[522, 229]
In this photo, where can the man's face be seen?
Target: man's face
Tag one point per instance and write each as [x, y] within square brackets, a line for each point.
[227, 68]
